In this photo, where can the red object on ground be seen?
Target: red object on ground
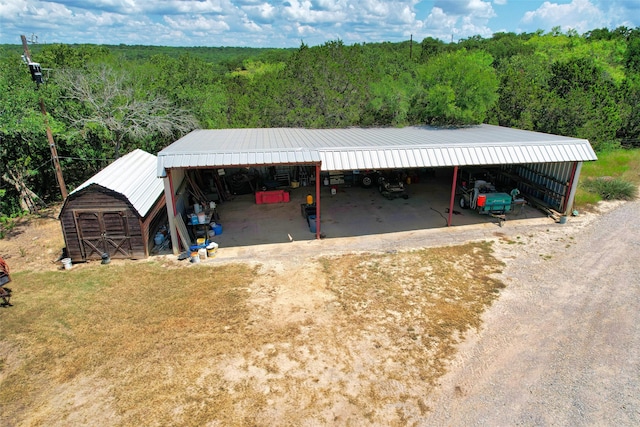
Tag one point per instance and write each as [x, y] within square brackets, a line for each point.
[4, 268]
[273, 196]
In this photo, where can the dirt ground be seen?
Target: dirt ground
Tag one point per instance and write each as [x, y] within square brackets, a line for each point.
[560, 346]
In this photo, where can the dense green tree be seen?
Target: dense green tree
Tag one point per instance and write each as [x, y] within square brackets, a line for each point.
[240, 107]
[458, 88]
[476, 42]
[431, 47]
[632, 54]
[390, 101]
[58, 56]
[325, 86]
[522, 91]
[629, 130]
[598, 34]
[581, 102]
[393, 84]
[506, 45]
[189, 83]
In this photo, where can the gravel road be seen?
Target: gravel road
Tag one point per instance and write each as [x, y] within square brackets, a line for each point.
[561, 347]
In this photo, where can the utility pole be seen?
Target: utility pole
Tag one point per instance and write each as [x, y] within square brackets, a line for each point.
[36, 75]
[411, 47]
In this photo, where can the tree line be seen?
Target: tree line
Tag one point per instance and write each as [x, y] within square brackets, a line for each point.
[103, 101]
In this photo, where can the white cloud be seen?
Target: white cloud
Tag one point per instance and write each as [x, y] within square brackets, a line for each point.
[620, 12]
[171, 7]
[459, 19]
[476, 8]
[304, 13]
[282, 23]
[196, 24]
[580, 15]
[263, 12]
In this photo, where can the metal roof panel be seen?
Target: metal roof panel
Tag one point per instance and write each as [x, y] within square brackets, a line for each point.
[132, 175]
[371, 148]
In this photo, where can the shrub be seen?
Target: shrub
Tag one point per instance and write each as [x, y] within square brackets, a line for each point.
[612, 188]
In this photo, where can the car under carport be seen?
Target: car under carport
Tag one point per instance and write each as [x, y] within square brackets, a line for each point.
[544, 168]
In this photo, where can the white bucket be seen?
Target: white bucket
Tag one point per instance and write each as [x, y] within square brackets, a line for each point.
[66, 262]
[212, 248]
[201, 217]
[202, 253]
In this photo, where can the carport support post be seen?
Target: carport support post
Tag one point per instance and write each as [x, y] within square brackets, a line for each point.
[318, 201]
[453, 195]
[572, 187]
[171, 211]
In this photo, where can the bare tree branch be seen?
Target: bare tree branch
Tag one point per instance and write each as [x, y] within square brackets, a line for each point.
[109, 101]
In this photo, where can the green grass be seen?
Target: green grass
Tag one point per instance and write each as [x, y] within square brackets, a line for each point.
[614, 176]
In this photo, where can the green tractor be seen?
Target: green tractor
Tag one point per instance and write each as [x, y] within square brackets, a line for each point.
[482, 196]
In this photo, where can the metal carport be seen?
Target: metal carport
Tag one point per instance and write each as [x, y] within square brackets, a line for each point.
[544, 161]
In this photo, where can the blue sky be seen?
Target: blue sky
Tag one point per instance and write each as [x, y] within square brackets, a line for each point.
[287, 23]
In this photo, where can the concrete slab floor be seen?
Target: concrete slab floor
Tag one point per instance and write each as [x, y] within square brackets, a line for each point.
[351, 212]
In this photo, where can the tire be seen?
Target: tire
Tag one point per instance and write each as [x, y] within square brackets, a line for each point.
[367, 181]
[463, 203]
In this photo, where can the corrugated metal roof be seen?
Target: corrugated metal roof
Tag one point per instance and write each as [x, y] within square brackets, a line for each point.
[371, 148]
[132, 175]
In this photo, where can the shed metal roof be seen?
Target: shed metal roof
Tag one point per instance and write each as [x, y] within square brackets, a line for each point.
[371, 148]
[132, 175]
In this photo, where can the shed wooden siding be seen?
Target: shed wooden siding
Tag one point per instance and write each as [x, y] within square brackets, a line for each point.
[111, 207]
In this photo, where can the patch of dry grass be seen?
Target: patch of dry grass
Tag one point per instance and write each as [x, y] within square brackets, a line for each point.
[145, 330]
[423, 301]
[145, 344]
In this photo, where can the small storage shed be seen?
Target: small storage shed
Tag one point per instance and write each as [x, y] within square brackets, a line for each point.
[116, 211]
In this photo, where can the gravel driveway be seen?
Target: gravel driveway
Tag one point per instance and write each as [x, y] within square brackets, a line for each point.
[562, 344]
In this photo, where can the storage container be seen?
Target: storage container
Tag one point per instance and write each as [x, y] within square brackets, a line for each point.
[217, 229]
